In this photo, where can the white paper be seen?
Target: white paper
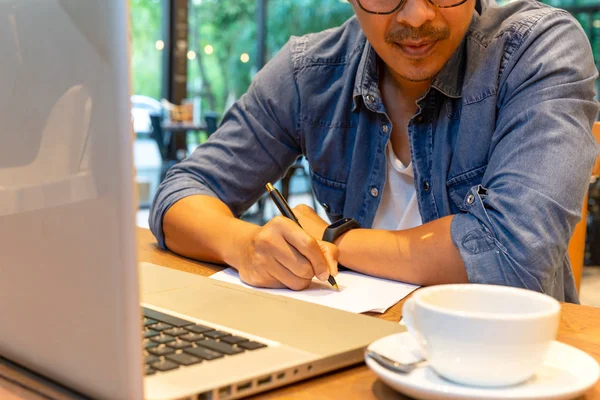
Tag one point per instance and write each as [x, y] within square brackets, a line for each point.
[358, 293]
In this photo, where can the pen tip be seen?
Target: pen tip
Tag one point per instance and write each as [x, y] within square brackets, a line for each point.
[333, 283]
[269, 187]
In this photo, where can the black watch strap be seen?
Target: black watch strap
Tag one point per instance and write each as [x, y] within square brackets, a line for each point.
[339, 227]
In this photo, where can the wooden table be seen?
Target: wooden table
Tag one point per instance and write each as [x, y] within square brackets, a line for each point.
[579, 327]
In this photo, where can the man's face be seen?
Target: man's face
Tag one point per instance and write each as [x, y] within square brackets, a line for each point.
[417, 40]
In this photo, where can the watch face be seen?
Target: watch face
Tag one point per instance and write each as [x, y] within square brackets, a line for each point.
[338, 228]
[339, 223]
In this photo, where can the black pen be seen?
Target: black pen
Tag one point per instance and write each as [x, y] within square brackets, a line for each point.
[286, 211]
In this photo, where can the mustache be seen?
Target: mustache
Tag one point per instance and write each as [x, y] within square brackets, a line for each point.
[429, 32]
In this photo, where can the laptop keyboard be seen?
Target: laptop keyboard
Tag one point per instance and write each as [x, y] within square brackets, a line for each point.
[171, 342]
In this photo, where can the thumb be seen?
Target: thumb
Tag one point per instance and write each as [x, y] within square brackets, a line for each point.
[331, 253]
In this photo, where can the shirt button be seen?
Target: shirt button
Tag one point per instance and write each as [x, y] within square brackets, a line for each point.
[370, 98]
[426, 186]
[470, 199]
[374, 192]
[385, 128]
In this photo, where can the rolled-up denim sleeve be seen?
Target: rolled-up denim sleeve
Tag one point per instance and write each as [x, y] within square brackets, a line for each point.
[519, 220]
[255, 144]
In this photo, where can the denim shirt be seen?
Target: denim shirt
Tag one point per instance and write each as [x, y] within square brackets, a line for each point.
[502, 140]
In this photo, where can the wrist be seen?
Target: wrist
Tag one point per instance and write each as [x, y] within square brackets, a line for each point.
[338, 241]
[334, 231]
[234, 249]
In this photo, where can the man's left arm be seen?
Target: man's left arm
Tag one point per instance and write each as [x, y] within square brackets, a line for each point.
[517, 228]
[424, 255]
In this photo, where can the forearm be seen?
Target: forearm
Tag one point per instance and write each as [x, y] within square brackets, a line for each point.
[424, 255]
[203, 228]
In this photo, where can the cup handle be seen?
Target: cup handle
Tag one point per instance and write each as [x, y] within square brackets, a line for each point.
[408, 310]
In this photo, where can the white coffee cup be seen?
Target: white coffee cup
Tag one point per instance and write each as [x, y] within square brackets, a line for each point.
[482, 335]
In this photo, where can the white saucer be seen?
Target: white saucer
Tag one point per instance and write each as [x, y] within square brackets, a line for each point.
[566, 373]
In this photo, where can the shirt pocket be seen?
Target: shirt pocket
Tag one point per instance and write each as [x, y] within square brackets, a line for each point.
[330, 194]
[459, 186]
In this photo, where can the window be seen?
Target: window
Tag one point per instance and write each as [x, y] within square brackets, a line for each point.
[223, 46]
[147, 47]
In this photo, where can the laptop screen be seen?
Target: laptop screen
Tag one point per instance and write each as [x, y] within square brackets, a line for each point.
[68, 279]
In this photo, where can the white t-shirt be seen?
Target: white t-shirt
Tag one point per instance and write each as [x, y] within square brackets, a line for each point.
[398, 208]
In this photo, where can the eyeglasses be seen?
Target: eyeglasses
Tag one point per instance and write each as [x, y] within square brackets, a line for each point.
[390, 6]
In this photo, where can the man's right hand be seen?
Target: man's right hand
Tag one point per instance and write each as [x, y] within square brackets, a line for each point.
[281, 254]
[277, 255]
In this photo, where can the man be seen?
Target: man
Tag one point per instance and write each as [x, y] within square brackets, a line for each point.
[472, 119]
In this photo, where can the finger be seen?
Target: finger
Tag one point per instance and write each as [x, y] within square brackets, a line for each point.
[331, 253]
[294, 261]
[308, 247]
[260, 279]
[304, 243]
[273, 245]
[286, 277]
[304, 210]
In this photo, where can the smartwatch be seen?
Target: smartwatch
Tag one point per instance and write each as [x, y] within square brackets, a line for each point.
[338, 228]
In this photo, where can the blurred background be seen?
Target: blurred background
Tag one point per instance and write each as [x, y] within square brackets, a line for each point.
[191, 59]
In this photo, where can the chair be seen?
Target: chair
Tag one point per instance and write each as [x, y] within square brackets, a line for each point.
[577, 243]
[592, 239]
[158, 134]
[141, 109]
[211, 118]
[298, 165]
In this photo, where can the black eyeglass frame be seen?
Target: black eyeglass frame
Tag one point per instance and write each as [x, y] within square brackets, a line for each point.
[401, 3]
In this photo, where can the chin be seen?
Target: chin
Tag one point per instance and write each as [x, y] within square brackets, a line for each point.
[417, 71]
[419, 78]
[417, 75]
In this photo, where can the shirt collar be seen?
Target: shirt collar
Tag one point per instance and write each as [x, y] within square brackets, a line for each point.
[366, 81]
[448, 81]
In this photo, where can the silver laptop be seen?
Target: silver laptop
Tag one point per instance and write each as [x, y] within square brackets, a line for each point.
[69, 298]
